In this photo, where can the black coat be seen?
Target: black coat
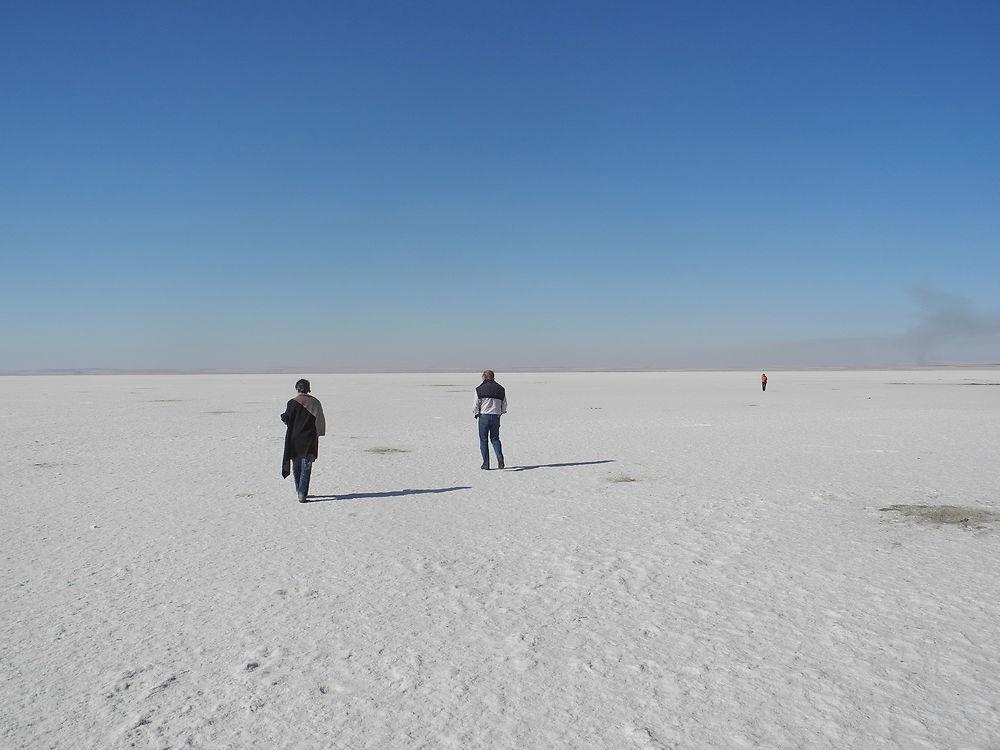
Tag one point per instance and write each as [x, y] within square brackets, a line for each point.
[305, 424]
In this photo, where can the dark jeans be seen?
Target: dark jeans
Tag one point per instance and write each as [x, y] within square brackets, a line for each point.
[763, 386]
[489, 432]
[301, 472]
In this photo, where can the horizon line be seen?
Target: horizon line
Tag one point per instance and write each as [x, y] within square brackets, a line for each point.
[58, 372]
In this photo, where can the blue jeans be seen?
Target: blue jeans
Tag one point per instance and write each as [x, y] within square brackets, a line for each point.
[301, 471]
[489, 432]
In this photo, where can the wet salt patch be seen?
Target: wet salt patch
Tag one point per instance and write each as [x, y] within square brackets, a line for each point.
[954, 515]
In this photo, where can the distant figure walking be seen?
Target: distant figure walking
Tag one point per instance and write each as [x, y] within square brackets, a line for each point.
[763, 381]
[491, 402]
[306, 424]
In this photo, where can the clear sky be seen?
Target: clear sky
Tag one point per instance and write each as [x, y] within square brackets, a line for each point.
[416, 185]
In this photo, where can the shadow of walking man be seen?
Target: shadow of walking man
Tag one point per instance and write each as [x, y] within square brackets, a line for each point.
[558, 466]
[375, 495]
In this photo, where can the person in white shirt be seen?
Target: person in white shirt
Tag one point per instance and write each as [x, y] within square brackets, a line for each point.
[491, 402]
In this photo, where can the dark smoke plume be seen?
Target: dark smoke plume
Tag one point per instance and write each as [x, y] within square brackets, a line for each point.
[946, 320]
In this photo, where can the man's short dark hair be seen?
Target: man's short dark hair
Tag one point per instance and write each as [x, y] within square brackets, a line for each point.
[302, 386]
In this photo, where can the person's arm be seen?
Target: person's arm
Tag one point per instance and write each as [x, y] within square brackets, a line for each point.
[288, 413]
[478, 405]
[503, 406]
[320, 420]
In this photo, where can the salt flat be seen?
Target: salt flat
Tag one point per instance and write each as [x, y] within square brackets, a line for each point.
[670, 560]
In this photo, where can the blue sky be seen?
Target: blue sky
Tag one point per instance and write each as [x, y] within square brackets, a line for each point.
[433, 185]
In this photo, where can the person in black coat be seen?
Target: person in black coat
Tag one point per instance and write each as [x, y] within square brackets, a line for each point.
[305, 425]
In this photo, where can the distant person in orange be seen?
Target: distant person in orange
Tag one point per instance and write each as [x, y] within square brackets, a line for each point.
[763, 381]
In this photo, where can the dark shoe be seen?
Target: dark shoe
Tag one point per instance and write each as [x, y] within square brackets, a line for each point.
[485, 467]
[500, 464]
[303, 499]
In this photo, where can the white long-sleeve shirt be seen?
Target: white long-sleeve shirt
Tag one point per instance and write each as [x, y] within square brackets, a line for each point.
[487, 404]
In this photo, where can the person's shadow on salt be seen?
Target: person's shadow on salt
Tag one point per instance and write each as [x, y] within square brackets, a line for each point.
[558, 466]
[376, 495]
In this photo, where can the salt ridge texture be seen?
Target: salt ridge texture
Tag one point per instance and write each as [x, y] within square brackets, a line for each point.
[671, 560]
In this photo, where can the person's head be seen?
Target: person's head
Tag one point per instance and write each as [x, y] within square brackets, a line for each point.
[488, 375]
[302, 386]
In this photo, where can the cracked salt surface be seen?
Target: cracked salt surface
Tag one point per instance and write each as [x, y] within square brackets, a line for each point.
[819, 571]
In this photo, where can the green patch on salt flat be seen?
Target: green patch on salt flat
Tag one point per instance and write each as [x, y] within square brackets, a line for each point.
[941, 515]
[619, 478]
